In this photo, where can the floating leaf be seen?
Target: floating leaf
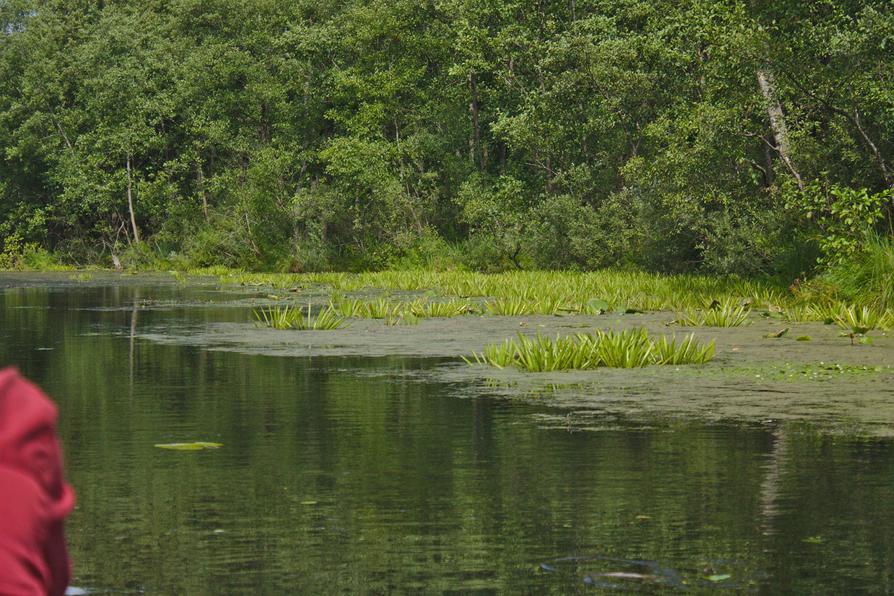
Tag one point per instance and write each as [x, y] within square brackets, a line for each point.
[718, 578]
[813, 540]
[195, 446]
[776, 334]
[596, 306]
[309, 503]
[803, 338]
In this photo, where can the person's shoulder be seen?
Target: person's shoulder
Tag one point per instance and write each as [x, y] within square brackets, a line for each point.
[28, 440]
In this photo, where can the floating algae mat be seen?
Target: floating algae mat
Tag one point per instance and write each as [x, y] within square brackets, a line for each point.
[372, 458]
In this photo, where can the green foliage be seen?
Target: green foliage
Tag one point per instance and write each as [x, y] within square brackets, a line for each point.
[844, 216]
[867, 277]
[858, 320]
[728, 313]
[311, 136]
[291, 317]
[624, 349]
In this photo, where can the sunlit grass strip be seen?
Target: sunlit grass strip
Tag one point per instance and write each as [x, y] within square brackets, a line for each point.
[389, 310]
[541, 291]
[625, 349]
[290, 317]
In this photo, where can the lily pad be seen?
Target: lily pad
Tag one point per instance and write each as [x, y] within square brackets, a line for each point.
[194, 446]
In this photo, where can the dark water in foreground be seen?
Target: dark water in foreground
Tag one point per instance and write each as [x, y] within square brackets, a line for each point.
[346, 475]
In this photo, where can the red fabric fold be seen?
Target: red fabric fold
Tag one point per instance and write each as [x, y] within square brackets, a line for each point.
[34, 498]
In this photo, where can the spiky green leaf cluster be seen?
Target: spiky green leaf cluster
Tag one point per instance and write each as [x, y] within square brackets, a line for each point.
[624, 349]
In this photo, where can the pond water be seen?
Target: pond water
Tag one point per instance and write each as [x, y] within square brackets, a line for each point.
[344, 473]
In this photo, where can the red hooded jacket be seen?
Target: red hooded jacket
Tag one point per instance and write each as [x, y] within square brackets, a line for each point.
[34, 498]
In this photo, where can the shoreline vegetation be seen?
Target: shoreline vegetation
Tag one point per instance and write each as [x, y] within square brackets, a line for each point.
[704, 138]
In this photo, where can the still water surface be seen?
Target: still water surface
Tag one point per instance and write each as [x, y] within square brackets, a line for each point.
[352, 474]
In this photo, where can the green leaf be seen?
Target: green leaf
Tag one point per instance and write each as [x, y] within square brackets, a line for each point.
[194, 446]
[776, 334]
[596, 305]
[718, 578]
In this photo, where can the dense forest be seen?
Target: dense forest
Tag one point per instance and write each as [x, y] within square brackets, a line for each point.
[736, 136]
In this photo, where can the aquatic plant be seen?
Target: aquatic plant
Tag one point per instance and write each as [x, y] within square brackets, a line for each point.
[545, 292]
[687, 351]
[347, 307]
[728, 313]
[277, 317]
[497, 355]
[401, 318]
[539, 354]
[625, 349]
[445, 309]
[380, 309]
[857, 320]
[290, 317]
[512, 307]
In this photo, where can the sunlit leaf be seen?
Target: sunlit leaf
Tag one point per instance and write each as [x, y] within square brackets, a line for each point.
[194, 446]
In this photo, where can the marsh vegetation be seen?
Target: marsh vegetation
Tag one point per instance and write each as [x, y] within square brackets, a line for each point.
[625, 349]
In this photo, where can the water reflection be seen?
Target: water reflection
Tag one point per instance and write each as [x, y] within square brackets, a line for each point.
[338, 476]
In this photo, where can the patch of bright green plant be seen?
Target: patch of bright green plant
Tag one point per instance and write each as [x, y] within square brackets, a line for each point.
[858, 320]
[443, 309]
[291, 317]
[623, 349]
[728, 313]
[545, 292]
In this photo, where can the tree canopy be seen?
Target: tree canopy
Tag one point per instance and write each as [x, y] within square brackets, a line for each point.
[726, 136]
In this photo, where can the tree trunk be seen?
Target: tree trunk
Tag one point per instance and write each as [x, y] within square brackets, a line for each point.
[777, 123]
[133, 218]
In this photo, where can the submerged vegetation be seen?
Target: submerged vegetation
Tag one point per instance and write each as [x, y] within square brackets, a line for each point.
[623, 349]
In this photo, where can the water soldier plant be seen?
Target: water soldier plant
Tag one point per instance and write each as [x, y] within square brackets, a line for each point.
[546, 292]
[632, 348]
[291, 317]
[728, 313]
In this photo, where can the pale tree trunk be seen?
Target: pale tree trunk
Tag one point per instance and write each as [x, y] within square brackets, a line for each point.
[777, 123]
[133, 218]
